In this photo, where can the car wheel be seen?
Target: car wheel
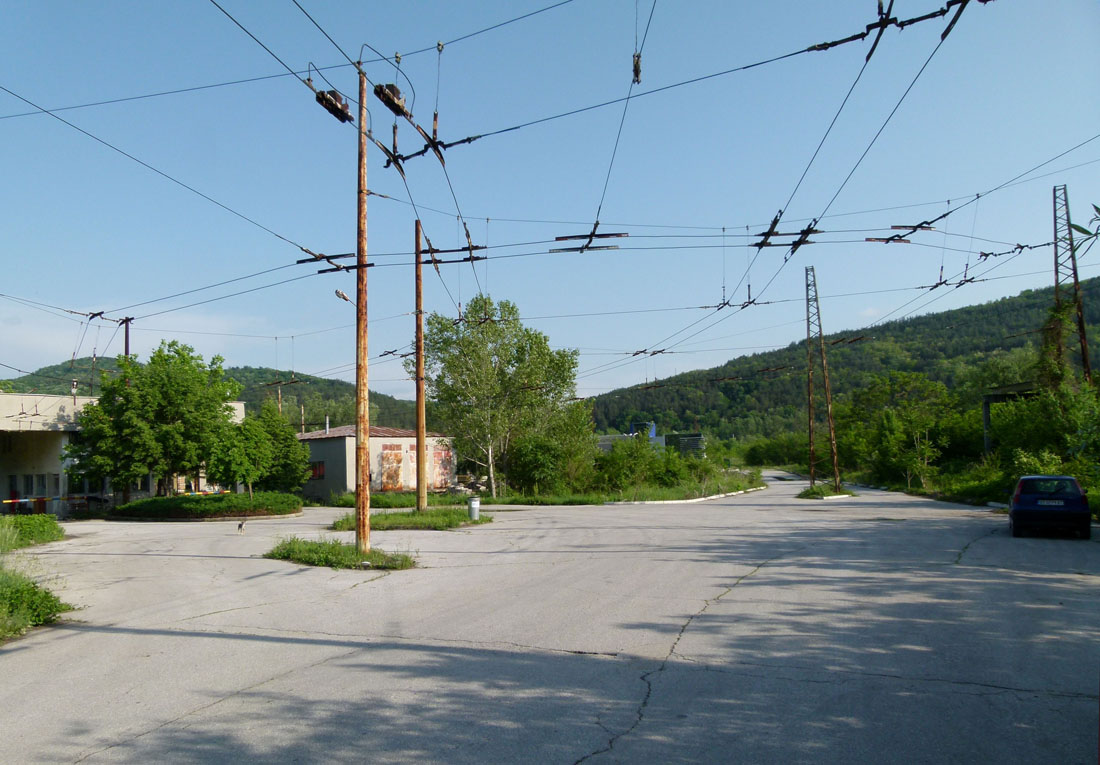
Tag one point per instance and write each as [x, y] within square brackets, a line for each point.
[1015, 528]
[1086, 531]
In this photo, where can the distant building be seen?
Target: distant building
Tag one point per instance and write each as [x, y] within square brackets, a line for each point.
[685, 443]
[392, 460]
[34, 431]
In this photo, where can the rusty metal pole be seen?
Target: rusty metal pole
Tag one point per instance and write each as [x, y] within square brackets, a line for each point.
[421, 418]
[362, 410]
[829, 415]
[810, 377]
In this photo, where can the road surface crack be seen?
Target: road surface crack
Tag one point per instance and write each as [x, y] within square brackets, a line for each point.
[966, 547]
[639, 714]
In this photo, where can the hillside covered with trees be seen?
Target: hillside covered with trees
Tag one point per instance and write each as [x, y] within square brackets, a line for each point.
[965, 349]
[321, 396]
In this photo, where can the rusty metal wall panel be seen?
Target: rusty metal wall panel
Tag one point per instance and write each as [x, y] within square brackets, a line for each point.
[443, 467]
[392, 455]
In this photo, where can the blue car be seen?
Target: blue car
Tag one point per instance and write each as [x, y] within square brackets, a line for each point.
[1049, 502]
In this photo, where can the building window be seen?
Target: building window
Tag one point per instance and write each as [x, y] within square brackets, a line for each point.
[28, 485]
[317, 471]
[55, 484]
[40, 484]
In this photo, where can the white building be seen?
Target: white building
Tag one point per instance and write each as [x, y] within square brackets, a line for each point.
[34, 431]
[392, 459]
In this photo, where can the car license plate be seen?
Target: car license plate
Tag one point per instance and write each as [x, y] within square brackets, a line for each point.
[1055, 502]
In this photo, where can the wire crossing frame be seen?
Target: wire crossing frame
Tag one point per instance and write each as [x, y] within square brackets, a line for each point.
[814, 335]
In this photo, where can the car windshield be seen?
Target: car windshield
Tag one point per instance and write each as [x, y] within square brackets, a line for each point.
[1050, 487]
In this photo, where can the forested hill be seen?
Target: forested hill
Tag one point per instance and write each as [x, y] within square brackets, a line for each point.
[320, 396]
[955, 347]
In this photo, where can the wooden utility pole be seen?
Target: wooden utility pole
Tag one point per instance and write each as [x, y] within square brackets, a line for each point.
[362, 410]
[421, 418]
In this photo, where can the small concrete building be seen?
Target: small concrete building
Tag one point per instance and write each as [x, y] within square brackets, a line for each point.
[392, 460]
[34, 431]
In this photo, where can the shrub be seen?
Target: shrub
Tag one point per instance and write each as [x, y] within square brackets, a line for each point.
[784, 449]
[24, 604]
[535, 465]
[1044, 463]
[211, 506]
[23, 530]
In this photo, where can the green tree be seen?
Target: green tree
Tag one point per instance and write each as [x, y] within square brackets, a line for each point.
[164, 417]
[289, 465]
[492, 380]
[242, 454]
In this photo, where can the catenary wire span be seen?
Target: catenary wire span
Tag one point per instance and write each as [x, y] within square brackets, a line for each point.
[297, 74]
[159, 172]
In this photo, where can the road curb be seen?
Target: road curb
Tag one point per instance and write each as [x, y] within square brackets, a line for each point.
[687, 501]
[238, 518]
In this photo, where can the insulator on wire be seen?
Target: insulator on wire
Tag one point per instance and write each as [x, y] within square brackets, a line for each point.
[637, 68]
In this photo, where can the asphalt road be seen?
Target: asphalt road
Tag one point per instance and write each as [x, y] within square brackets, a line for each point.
[755, 628]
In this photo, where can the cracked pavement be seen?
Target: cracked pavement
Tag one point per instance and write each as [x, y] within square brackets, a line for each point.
[753, 628]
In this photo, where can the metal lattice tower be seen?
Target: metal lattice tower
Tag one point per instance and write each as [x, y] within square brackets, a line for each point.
[1065, 271]
[815, 336]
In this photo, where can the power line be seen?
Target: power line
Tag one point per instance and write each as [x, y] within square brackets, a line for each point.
[200, 289]
[257, 41]
[880, 24]
[296, 74]
[622, 120]
[161, 173]
[224, 297]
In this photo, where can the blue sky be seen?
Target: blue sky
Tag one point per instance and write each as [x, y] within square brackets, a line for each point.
[87, 229]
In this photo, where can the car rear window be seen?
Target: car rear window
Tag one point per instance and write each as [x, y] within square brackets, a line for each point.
[1050, 487]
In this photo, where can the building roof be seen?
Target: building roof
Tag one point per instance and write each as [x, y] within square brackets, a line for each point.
[376, 431]
[40, 411]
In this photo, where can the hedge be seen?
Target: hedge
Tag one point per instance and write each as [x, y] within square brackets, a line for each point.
[200, 506]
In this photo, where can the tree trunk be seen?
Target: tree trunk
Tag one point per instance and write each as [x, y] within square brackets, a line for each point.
[492, 474]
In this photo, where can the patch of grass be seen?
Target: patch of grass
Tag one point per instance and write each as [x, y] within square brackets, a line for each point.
[211, 506]
[23, 530]
[821, 491]
[335, 554]
[724, 483]
[437, 519]
[545, 499]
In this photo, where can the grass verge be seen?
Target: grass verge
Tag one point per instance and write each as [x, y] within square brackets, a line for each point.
[391, 499]
[23, 604]
[821, 491]
[197, 507]
[335, 554]
[725, 483]
[436, 519]
[23, 530]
